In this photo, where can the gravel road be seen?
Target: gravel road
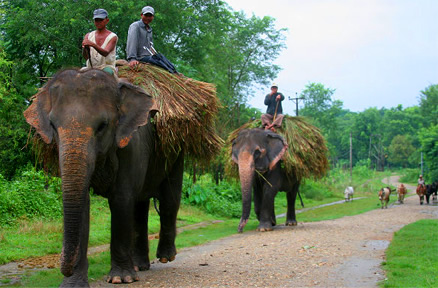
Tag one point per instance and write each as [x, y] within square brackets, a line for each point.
[345, 252]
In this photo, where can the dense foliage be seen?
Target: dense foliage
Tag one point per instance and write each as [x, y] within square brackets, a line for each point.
[30, 195]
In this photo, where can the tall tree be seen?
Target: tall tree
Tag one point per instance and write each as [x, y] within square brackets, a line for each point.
[13, 128]
[429, 142]
[324, 112]
[400, 150]
[429, 104]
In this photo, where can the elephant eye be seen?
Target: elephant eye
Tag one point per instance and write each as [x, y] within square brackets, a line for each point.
[53, 126]
[257, 154]
[101, 127]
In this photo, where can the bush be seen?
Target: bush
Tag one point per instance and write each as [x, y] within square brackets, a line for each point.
[410, 175]
[315, 190]
[30, 195]
[223, 200]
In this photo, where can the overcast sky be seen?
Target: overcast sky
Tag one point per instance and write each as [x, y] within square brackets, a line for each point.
[375, 53]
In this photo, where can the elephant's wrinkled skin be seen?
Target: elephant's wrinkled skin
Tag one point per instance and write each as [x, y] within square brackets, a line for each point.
[258, 152]
[105, 142]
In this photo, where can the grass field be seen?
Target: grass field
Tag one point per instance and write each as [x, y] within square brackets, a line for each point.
[412, 256]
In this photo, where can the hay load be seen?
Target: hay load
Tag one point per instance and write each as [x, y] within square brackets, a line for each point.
[186, 110]
[306, 155]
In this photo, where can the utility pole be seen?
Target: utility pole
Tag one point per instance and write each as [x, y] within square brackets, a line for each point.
[296, 99]
[422, 164]
[351, 159]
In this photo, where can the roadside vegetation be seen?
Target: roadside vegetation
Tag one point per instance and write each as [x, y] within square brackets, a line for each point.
[412, 256]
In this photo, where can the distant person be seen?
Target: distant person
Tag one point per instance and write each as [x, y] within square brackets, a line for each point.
[139, 44]
[421, 180]
[274, 113]
[99, 46]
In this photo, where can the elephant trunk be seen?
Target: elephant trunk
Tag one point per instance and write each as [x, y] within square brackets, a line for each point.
[246, 174]
[74, 162]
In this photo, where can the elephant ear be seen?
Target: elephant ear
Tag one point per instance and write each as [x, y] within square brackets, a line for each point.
[37, 115]
[277, 146]
[135, 108]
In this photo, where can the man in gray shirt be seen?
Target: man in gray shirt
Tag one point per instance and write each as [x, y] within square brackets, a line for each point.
[139, 44]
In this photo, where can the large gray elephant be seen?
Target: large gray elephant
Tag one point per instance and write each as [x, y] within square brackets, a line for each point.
[105, 142]
[258, 152]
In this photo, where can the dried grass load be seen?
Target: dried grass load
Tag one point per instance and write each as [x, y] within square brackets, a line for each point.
[187, 109]
[306, 156]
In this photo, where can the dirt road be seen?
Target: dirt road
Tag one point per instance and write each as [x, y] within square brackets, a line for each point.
[345, 252]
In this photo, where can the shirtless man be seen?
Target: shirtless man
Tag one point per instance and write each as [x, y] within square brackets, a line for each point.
[99, 46]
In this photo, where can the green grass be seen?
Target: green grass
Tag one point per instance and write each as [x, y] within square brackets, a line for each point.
[412, 256]
[355, 207]
[38, 238]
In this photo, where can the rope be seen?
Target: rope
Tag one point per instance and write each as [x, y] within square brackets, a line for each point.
[266, 180]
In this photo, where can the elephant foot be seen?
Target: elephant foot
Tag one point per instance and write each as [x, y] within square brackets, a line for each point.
[165, 260]
[291, 223]
[119, 276]
[74, 282]
[141, 263]
[167, 254]
[142, 267]
[264, 228]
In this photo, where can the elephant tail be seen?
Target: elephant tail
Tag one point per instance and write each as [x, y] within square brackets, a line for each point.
[156, 207]
[301, 199]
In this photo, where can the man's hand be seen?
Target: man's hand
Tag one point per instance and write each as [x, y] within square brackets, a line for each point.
[133, 63]
[278, 98]
[87, 42]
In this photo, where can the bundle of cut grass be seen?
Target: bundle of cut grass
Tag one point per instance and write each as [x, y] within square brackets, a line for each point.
[306, 155]
[187, 109]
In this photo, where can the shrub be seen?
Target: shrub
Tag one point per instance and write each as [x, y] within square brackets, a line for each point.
[315, 190]
[410, 175]
[222, 200]
[30, 195]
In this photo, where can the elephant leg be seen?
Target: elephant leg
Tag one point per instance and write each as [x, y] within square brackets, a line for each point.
[122, 237]
[170, 198]
[291, 219]
[80, 271]
[267, 209]
[141, 243]
[258, 197]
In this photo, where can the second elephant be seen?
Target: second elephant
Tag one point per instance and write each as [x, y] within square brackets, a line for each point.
[258, 152]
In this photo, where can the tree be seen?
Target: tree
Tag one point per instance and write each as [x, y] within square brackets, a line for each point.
[429, 104]
[400, 150]
[324, 112]
[429, 145]
[13, 128]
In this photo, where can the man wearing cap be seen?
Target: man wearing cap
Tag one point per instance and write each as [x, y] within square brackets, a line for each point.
[421, 180]
[139, 44]
[274, 113]
[99, 46]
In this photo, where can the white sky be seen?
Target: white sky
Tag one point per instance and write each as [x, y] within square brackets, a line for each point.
[375, 53]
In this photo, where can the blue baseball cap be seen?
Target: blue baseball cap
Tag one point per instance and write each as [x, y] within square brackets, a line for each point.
[100, 14]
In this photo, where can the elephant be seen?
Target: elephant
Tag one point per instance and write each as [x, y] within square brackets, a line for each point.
[258, 152]
[106, 141]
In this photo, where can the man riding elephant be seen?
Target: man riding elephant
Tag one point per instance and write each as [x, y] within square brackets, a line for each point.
[274, 113]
